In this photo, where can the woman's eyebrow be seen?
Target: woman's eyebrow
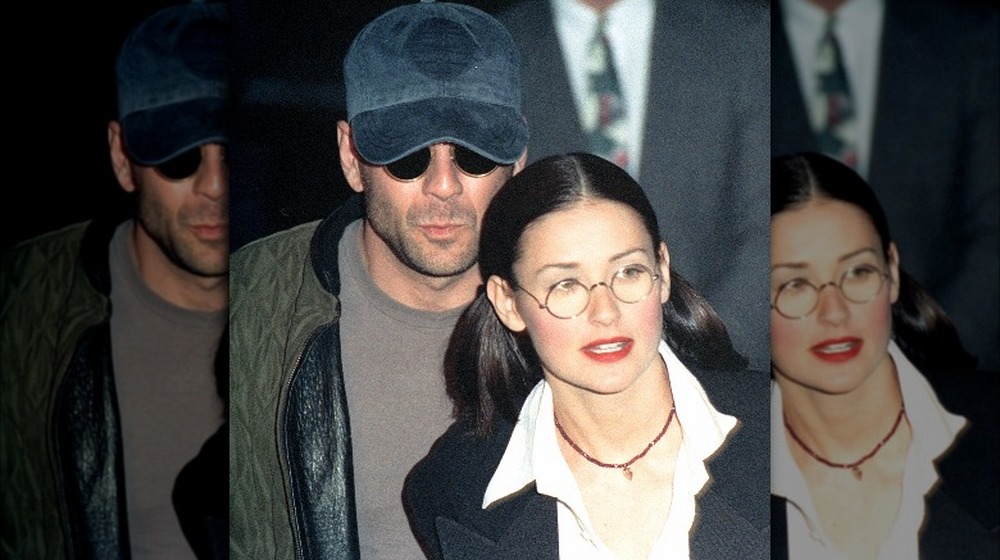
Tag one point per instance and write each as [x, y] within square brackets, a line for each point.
[570, 265]
[802, 265]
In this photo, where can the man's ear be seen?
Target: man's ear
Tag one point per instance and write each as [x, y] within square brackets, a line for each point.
[663, 262]
[893, 272]
[501, 296]
[350, 160]
[120, 163]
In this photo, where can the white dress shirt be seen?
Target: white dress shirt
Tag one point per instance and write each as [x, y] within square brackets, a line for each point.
[629, 28]
[533, 455]
[858, 29]
[934, 430]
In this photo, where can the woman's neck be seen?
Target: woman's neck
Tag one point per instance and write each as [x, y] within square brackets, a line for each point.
[615, 427]
[843, 426]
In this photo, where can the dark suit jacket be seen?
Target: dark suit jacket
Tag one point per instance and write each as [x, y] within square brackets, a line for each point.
[963, 511]
[705, 150]
[443, 493]
[934, 162]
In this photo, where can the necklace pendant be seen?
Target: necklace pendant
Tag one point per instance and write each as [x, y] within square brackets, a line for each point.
[857, 473]
[627, 472]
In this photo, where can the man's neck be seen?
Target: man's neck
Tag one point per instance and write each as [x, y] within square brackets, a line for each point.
[411, 288]
[172, 283]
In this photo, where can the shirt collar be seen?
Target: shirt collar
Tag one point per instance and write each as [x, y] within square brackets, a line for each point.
[624, 13]
[533, 454]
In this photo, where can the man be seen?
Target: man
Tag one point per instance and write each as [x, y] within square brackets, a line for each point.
[340, 326]
[906, 92]
[677, 94]
[109, 328]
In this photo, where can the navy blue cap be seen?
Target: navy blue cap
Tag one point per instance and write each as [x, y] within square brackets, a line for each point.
[172, 82]
[434, 72]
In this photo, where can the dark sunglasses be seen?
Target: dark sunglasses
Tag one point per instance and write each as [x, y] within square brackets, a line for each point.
[181, 166]
[413, 166]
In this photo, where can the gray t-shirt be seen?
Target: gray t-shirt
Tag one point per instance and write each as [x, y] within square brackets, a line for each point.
[163, 358]
[393, 360]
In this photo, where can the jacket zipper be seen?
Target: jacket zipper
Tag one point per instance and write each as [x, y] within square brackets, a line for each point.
[297, 544]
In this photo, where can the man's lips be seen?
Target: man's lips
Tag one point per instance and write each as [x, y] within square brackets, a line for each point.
[837, 350]
[609, 350]
[440, 230]
[211, 231]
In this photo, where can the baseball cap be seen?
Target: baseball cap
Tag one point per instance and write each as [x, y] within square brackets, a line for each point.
[433, 72]
[172, 83]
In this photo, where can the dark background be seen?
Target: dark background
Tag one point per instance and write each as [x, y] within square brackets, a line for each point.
[61, 79]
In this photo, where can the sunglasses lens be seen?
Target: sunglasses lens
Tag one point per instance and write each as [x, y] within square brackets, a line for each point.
[410, 167]
[182, 165]
[472, 163]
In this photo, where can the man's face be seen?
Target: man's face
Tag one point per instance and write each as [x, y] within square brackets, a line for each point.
[188, 218]
[431, 224]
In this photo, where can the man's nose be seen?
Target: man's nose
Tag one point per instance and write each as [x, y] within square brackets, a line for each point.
[212, 179]
[442, 179]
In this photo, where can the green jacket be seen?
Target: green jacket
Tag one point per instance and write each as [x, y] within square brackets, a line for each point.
[60, 441]
[291, 482]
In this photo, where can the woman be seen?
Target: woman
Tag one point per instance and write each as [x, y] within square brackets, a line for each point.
[869, 375]
[581, 433]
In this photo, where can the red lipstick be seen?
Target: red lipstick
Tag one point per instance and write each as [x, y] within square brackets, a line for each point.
[609, 350]
[838, 350]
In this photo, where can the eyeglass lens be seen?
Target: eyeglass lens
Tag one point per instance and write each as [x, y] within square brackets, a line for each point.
[413, 166]
[569, 298]
[181, 166]
[798, 298]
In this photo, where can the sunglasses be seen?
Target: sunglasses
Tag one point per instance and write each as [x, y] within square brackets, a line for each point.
[413, 166]
[181, 166]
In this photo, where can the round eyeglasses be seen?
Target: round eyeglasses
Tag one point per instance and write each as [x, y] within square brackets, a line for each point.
[413, 166]
[569, 298]
[798, 298]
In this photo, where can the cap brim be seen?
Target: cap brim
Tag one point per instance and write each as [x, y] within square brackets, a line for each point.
[384, 135]
[156, 135]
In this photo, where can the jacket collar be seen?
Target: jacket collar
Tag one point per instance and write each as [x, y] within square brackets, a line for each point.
[94, 250]
[324, 253]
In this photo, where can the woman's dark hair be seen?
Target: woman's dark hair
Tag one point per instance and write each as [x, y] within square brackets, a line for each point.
[921, 327]
[489, 369]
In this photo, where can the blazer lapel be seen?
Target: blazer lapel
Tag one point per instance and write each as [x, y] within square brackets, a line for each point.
[790, 128]
[527, 533]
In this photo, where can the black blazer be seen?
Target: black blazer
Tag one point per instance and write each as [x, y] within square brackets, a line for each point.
[963, 511]
[443, 493]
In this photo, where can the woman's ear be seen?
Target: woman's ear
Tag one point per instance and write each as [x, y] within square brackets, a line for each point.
[663, 261]
[501, 296]
[894, 272]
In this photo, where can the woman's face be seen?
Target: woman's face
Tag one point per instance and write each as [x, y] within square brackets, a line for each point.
[609, 344]
[841, 343]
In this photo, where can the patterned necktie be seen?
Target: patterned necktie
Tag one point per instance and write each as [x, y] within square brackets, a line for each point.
[837, 135]
[605, 107]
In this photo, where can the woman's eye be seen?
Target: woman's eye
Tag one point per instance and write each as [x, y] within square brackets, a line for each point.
[795, 285]
[564, 286]
[631, 272]
[862, 271]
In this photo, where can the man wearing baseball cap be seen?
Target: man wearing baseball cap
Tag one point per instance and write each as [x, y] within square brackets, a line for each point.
[109, 328]
[340, 326]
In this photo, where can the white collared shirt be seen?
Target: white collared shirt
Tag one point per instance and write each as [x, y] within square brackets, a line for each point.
[533, 455]
[630, 33]
[934, 430]
[858, 29]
